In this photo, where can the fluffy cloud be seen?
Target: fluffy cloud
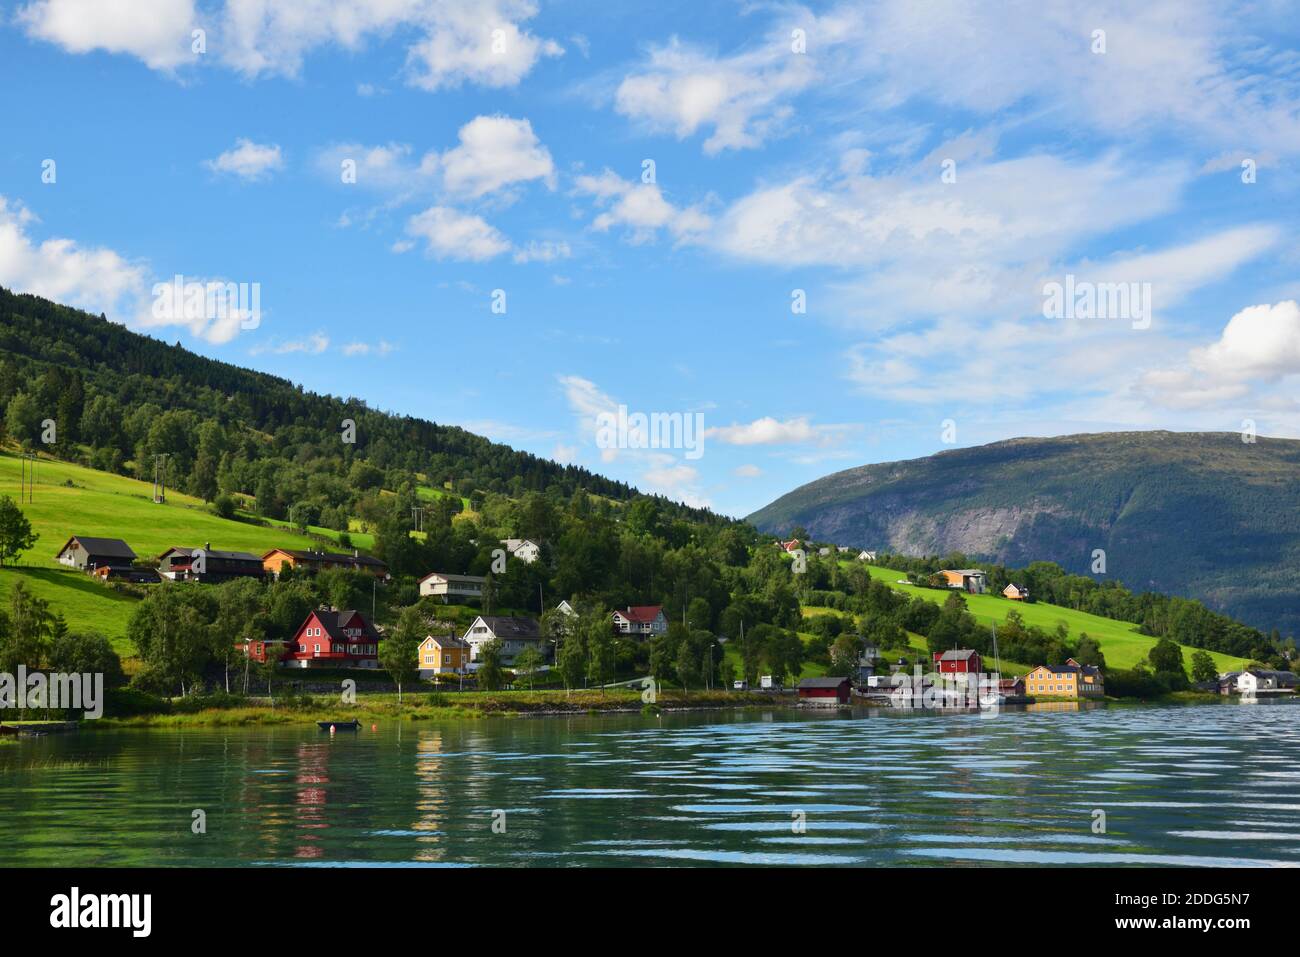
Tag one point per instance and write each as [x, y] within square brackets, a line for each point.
[640, 207]
[451, 234]
[494, 152]
[248, 160]
[458, 41]
[312, 345]
[1259, 347]
[770, 431]
[155, 31]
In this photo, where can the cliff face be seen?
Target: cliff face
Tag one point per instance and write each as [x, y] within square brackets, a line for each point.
[1197, 514]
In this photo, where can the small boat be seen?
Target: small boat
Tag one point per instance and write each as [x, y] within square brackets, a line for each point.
[352, 725]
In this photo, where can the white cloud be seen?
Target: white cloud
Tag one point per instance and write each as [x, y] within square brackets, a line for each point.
[640, 207]
[495, 151]
[248, 160]
[747, 471]
[770, 431]
[451, 234]
[544, 250]
[380, 348]
[480, 41]
[155, 31]
[312, 345]
[1258, 348]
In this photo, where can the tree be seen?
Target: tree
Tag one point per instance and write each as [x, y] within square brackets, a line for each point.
[687, 666]
[529, 663]
[25, 640]
[845, 653]
[399, 652]
[491, 676]
[15, 531]
[86, 653]
[1203, 667]
[1166, 657]
[571, 659]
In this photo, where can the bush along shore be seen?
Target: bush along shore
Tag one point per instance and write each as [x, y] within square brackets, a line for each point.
[135, 709]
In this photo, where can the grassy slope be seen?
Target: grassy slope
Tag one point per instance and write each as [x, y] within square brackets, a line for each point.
[102, 504]
[1120, 641]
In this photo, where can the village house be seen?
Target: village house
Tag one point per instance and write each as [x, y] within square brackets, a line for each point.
[866, 556]
[523, 549]
[1016, 592]
[129, 574]
[1259, 681]
[968, 579]
[843, 549]
[824, 692]
[1011, 687]
[277, 559]
[958, 661]
[443, 655]
[330, 638]
[450, 587]
[566, 609]
[644, 620]
[89, 554]
[208, 565]
[788, 546]
[514, 633]
[1070, 680]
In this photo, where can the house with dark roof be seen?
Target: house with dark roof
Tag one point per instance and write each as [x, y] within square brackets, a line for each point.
[972, 580]
[826, 692]
[208, 565]
[277, 559]
[643, 620]
[330, 638]
[1070, 680]
[958, 661]
[85, 553]
[513, 632]
[1016, 592]
[1257, 681]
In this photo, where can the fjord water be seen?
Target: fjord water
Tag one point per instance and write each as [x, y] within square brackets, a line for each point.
[1193, 785]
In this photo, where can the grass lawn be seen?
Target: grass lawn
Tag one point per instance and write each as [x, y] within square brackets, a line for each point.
[1119, 640]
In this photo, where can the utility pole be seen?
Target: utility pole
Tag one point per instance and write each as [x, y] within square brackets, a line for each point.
[159, 478]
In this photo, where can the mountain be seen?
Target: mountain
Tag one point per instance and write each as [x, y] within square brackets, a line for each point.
[1199, 514]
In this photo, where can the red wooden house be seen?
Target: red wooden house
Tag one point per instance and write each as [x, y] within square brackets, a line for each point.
[334, 639]
[828, 691]
[959, 661]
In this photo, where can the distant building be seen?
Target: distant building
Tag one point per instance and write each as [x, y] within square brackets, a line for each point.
[88, 554]
[334, 639]
[208, 565]
[565, 608]
[1011, 686]
[866, 556]
[443, 655]
[843, 549]
[1070, 680]
[972, 580]
[1259, 681]
[129, 574]
[824, 691]
[277, 559]
[514, 633]
[789, 546]
[450, 587]
[1016, 592]
[523, 549]
[958, 661]
[644, 620]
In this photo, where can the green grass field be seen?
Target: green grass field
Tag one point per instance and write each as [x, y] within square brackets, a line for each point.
[1119, 640]
[71, 500]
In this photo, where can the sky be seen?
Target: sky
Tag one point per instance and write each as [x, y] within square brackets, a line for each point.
[827, 235]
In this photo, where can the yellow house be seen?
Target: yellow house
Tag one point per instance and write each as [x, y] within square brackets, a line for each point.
[443, 655]
[1070, 680]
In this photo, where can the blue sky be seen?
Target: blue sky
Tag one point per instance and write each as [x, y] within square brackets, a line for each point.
[922, 172]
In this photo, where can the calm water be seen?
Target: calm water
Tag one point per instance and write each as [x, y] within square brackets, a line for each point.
[1216, 784]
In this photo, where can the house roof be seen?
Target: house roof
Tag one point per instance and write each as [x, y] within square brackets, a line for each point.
[827, 682]
[641, 613]
[445, 641]
[958, 654]
[962, 571]
[334, 622]
[213, 553]
[112, 547]
[328, 558]
[1017, 587]
[449, 577]
[504, 626]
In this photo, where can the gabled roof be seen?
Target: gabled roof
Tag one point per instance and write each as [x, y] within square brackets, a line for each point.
[641, 614]
[112, 547]
[213, 553]
[1017, 586]
[449, 577]
[335, 621]
[509, 626]
[328, 558]
[445, 641]
[958, 654]
[827, 682]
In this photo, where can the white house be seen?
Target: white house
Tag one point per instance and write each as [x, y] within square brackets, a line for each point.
[1265, 682]
[645, 620]
[523, 549]
[865, 556]
[448, 587]
[565, 608]
[515, 634]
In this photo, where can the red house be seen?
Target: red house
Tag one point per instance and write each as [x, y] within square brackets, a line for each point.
[824, 691]
[959, 661]
[334, 639]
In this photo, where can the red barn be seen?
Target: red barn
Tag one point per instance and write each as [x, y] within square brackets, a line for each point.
[959, 661]
[334, 639]
[824, 691]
